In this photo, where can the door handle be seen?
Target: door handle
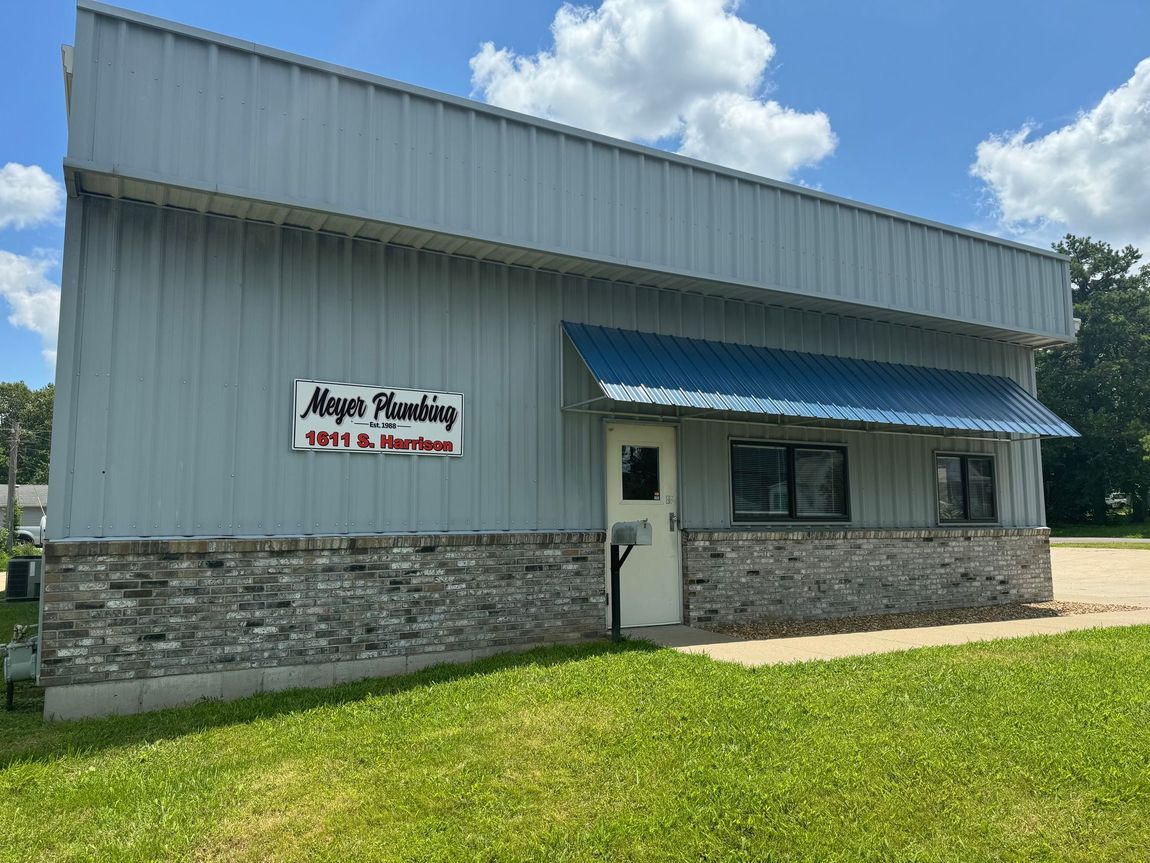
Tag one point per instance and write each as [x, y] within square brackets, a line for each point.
[674, 521]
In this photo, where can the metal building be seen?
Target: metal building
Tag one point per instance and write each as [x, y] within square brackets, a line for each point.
[353, 376]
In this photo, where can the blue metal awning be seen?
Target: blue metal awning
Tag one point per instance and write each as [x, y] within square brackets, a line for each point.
[698, 374]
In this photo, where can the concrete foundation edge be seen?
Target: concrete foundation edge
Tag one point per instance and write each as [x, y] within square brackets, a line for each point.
[140, 695]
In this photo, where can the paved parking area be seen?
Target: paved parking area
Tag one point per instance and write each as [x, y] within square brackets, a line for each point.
[1080, 575]
[1101, 575]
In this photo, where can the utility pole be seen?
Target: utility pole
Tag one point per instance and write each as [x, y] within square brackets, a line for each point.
[10, 513]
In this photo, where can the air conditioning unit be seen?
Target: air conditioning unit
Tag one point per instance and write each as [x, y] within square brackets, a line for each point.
[23, 579]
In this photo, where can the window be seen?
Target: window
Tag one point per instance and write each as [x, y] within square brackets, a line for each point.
[640, 472]
[781, 482]
[965, 487]
[759, 482]
[820, 483]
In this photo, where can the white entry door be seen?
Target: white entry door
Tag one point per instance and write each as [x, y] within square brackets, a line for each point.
[642, 482]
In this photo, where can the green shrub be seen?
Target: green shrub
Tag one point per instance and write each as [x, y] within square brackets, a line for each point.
[26, 549]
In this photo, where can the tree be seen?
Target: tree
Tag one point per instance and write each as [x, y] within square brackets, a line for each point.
[33, 410]
[1100, 385]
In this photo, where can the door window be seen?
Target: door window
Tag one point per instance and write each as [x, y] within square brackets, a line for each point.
[640, 466]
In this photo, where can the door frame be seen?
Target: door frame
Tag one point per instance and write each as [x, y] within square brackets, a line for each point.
[676, 427]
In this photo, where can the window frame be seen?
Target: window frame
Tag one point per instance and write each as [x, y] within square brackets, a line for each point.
[792, 482]
[963, 458]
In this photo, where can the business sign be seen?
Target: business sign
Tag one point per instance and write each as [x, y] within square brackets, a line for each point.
[352, 418]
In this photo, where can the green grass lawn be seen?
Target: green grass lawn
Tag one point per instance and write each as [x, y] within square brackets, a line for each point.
[1111, 531]
[1035, 749]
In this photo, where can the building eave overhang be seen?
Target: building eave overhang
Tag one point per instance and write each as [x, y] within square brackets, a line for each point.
[106, 181]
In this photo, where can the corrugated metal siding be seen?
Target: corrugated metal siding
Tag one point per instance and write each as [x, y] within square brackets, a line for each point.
[181, 335]
[214, 114]
[891, 476]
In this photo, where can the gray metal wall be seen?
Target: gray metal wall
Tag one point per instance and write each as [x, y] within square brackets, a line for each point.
[892, 477]
[182, 108]
[181, 335]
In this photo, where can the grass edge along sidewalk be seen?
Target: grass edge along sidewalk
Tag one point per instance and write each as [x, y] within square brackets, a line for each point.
[1102, 531]
[1012, 750]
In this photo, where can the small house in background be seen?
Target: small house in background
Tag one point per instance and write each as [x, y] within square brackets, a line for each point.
[354, 376]
[33, 503]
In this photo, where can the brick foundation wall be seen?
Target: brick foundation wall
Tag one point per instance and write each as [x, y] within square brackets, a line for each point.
[131, 610]
[739, 576]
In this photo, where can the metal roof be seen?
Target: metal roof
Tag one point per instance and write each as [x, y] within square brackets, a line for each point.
[684, 373]
[163, 24]
[181, 118]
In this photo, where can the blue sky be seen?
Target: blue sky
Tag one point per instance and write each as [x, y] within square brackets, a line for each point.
[887, 102]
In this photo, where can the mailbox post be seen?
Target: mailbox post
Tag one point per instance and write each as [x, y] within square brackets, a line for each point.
[629, 534]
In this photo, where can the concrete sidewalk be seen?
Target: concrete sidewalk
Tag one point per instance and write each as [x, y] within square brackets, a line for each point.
[775, 651]
[1101, 576]
[1061, 540]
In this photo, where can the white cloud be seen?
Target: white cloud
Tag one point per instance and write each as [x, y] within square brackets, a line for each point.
[28, 195]
[33, 299]
[762, 137]
[688, 72]
[1091, 176]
